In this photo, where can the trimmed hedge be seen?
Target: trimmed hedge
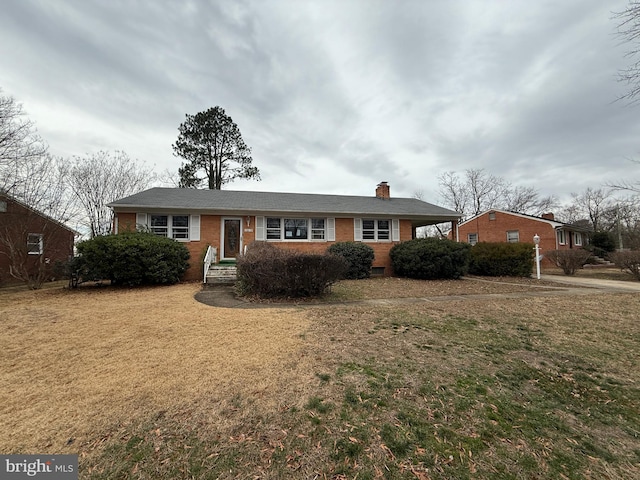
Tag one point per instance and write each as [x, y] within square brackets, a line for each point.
[430, 258]
[269, 271]
[131, 258]
[502, 259]
[358, 255]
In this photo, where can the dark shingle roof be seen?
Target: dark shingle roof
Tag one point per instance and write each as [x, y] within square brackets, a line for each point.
[244, 202]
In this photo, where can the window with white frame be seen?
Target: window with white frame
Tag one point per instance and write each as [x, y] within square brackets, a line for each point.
[577, 239]
[562, 237]
[172, 226]
[472, 238]
[295, 228]
[318, 228]
[376, 229]
[513, 236]
[34, 244]
[273, 229]
[492, 215]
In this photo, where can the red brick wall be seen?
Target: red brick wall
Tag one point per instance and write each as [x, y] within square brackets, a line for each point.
[496, 230]
[210, 229]
[17, 222]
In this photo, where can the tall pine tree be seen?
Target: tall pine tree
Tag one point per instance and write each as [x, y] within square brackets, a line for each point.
[214, 151]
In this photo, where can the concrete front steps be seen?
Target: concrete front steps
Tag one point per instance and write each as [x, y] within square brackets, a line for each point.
[600, 263]
[221, 274]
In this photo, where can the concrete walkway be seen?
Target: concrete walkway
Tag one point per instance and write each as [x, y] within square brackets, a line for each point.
[600, 284]
[224, 296]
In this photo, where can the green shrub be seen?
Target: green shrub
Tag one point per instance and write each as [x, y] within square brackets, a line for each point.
[604, 242]
[569, 260]
[269, 271]
[601, 244]
[502, 259]
[430, 258]
[358, 255]
[131, 258]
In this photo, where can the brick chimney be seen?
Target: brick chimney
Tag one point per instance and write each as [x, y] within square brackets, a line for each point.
[549, 216]
[382, 190]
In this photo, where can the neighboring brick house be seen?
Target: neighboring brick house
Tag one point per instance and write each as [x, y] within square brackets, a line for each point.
[505, 226]
[230, 220]
[31, 243]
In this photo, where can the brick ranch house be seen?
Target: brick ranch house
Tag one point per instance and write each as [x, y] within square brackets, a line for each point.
[230, 220]
[504, 226]
[30, 241]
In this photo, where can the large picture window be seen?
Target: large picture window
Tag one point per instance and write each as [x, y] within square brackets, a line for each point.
[296, 228]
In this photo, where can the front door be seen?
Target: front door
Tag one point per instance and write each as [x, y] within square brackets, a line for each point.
[232, 238]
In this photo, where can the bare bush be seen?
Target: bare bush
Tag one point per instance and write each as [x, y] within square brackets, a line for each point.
[627, 260]
[569, 260]
[268, 271]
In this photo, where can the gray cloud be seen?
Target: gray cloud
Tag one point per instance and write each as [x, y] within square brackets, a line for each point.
[334, 96]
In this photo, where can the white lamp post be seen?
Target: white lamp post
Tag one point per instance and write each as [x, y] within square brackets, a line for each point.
[536, 240]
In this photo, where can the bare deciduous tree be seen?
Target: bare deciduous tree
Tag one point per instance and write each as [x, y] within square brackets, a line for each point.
[33, 244]
[36, 199]
[19, 144]
[528, 200]
[99, 179]
[597, 206]
[478, 191]
[626, 185]
[629, 32]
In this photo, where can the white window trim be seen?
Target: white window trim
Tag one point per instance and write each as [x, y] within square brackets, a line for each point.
[469, 238]
[394, 230]
[517, 232]
[562, 237]
[40, 244]
[262, 229]
[143, 220]
[577, 239]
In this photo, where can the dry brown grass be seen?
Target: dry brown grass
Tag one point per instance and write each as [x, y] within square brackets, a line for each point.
[392, 287]
[75, 363]
[91, 370]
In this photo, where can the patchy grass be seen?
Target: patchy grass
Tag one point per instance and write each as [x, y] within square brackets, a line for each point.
[149, 384]
[392, 287]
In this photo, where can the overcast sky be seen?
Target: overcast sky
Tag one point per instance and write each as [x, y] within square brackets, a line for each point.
[335, 96]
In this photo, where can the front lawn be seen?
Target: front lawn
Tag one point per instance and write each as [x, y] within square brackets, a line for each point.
[148, 383]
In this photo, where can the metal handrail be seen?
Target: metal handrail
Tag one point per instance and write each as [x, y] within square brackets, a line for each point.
[210, 257]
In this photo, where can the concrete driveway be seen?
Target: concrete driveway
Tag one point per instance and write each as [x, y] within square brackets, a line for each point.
[608, 285]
